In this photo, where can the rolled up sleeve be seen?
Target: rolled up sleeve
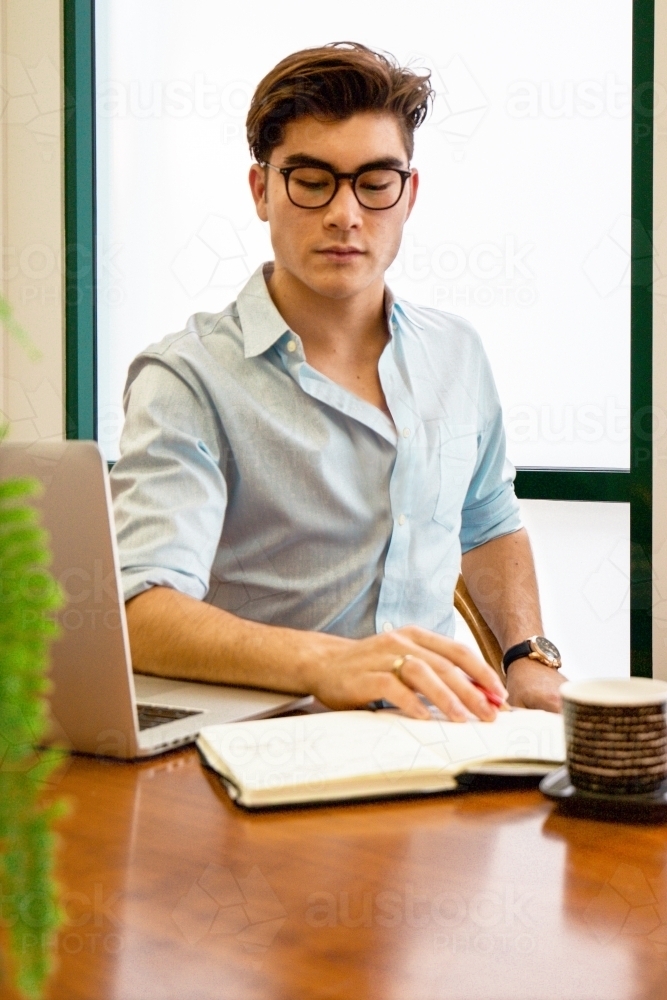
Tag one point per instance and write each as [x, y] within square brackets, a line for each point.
[169, 490]
[491, 508]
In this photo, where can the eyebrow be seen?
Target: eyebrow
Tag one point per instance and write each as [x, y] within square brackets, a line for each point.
[384, 163]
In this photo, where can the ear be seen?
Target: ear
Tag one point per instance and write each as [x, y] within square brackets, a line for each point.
[257, 180]
[412, 196]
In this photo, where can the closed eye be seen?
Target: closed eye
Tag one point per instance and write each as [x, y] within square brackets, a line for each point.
[311, 185]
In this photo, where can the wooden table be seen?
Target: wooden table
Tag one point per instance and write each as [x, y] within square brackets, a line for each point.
[174, 893]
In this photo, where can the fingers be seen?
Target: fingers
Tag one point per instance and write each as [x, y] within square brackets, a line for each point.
[452, 693]
[398, 693]
[457, 654]
[471, 696]
[442, 681]
[426, 664]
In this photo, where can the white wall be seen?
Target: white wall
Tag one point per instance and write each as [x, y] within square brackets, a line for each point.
[31, 215]
[582, 557]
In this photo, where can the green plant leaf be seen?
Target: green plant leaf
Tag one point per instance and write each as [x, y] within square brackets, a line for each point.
[29, 596]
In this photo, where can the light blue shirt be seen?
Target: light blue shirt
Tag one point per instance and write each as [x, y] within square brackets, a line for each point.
[252, 481]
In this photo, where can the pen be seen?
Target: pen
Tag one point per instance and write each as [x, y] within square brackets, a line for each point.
[492, 697]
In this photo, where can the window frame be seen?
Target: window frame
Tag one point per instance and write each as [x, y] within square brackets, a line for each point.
[633, 487]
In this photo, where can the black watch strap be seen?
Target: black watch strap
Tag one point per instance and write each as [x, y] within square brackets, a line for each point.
[516, 653]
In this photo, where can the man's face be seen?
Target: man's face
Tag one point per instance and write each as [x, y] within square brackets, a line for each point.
[343, 248]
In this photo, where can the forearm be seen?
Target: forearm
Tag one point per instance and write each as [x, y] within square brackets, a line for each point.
[500, 576]
[174, 635]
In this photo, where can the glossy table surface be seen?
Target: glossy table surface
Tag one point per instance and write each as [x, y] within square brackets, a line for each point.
[173, 892]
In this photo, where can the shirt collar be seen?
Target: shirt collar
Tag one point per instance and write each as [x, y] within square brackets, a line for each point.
[261, 323]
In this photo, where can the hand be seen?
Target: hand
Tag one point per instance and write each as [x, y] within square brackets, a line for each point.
[532, 684]
[357, 671]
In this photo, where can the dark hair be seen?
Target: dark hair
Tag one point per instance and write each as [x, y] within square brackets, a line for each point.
[334, 82]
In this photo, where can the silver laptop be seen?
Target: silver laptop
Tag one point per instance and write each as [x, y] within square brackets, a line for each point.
[97, 705]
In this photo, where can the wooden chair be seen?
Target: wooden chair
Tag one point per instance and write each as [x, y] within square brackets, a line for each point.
[484, 637]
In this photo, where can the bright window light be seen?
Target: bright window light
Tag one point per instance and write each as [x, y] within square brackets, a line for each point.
[522, 223]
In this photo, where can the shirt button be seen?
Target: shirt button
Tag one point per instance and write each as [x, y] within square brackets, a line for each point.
[406, 432]
[387, 627]
[291, 346]
[402, 519]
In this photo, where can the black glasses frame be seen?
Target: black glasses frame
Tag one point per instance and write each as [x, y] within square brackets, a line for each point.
[353, 178]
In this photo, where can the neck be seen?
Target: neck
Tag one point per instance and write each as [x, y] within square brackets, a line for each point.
[352, 326]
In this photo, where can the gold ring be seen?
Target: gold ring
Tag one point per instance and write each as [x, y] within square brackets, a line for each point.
[397, 667]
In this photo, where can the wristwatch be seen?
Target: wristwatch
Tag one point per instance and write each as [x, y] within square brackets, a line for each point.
[536, 648]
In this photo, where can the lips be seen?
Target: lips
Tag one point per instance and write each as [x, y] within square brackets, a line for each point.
[341, 252]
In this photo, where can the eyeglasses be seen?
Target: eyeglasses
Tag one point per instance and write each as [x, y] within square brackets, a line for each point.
[315, 187]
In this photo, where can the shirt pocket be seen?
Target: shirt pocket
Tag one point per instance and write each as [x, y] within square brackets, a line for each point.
[457, 458]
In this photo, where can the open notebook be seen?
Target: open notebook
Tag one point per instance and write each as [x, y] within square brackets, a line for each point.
[351, 755]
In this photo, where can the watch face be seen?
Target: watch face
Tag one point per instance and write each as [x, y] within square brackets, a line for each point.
[547, 649]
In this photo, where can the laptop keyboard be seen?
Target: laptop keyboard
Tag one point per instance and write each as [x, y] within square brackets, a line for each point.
[156, 715]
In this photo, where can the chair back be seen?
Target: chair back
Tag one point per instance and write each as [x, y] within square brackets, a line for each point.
[482, 634]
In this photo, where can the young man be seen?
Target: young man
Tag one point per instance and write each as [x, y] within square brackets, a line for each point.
[300, 473]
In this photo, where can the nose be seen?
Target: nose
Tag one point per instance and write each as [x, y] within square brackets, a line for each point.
[344, 211]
